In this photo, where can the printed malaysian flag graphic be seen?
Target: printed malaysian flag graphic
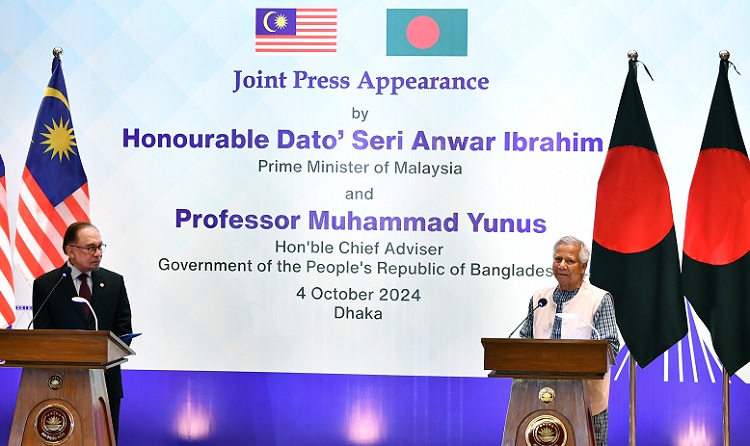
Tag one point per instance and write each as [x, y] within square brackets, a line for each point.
[300, 30]
[54, 189]
[7, 297]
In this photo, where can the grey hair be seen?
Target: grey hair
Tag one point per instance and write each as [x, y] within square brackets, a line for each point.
[569, 240]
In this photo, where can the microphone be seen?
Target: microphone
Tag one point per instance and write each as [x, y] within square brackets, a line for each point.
[81, 300]
[575, 316]
[62, 276]
[542, 302]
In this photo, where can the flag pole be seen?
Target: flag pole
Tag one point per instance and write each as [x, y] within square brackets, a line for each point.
[61, 196]
[632, 401]
[724, 56]
[633, 56]
[726, 405]
[628, 237]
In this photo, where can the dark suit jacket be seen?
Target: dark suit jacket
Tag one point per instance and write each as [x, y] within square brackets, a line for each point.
[108, 298]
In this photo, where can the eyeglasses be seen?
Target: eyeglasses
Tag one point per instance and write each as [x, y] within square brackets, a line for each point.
[92, 249]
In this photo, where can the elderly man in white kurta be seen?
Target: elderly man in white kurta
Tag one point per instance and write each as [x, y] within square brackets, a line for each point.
[593, 305]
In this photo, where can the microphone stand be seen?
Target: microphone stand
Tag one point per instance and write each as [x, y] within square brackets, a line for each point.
[542, 302]
[81, 300]
[575, 316]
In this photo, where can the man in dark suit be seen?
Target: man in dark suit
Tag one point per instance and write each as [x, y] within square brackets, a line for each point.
[82, 276]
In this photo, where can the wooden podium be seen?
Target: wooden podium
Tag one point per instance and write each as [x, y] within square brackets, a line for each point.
[62, 397]
[549, 402]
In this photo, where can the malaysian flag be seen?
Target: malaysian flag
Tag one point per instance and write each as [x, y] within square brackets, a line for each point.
[300, 30]
[7, 297]
[54, 188]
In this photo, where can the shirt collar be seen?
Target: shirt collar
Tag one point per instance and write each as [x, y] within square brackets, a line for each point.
[560, 296]
[74, 272]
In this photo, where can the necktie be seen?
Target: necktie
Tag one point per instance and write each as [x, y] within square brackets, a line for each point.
[85, 292]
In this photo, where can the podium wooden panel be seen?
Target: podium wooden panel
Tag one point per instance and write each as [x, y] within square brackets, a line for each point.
[62, 397]
[549, 402]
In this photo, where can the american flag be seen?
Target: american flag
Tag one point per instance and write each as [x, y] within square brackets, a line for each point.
[54, 188]
[7, 297]
[301, 30]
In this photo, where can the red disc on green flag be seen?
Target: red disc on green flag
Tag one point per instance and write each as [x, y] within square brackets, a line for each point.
[423, 32]
[634, 210]
[716, 226]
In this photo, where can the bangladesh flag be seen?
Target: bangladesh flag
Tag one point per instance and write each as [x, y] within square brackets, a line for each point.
[715, 260]
[427, 32]
[634, 251]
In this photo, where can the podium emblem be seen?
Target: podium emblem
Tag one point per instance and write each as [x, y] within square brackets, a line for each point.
[547, 395]
[54, 424]
[546, 430]
[55, 382]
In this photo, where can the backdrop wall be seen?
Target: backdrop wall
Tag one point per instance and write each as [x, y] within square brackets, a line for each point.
[317, 242]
